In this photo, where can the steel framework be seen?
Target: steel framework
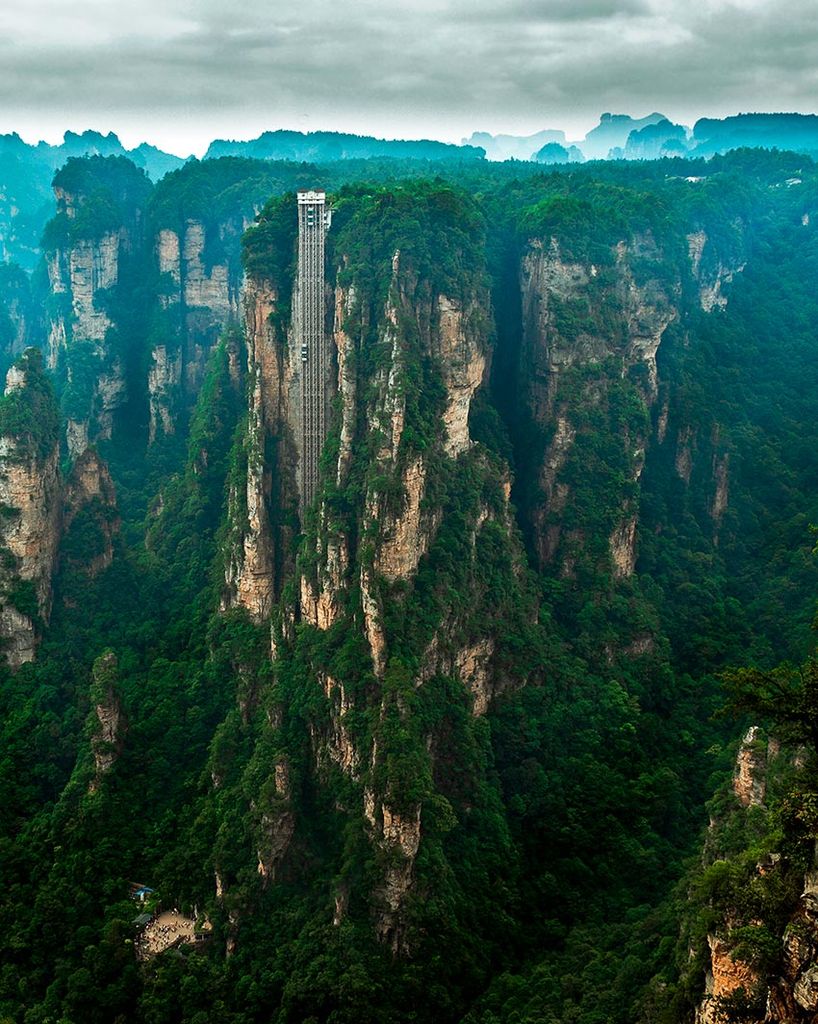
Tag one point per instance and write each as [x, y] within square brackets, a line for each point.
[313, 221]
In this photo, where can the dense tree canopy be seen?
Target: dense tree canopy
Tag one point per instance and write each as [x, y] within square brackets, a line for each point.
[556, 826]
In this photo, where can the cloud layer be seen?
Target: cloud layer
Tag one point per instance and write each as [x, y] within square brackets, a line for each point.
[179, 72]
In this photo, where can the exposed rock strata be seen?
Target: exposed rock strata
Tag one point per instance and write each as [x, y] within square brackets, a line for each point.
[405, 535]
[164, 377]
[749, 780]
[109, 726]
[255, 567]
[709, 271]
[400, 838]
[30, 497]
[725, 979]
[460, 349]
[787, 994]
[203, 298]
[623, 321]
[84, 273]
[90, 488]
[277, 824]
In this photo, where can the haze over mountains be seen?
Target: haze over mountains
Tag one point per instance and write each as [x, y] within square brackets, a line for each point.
[621, 137]
[26, 170]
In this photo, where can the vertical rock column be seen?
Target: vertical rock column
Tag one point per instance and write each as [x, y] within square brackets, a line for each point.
[91, 247]
[30, 501]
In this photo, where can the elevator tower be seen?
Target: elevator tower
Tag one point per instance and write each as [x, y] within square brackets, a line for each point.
[313, 221]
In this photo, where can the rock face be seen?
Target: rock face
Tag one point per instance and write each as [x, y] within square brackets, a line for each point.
[710, 271]
[164, 378]
[787, 991]
[623, 548]
[750, 779]
[93, 267]
[256, 565]
[207, 288]
[790, 994]
[405, 484]
[338, 745]
[400, 837]
[108, 724]
[79, 334]
[721, 493]
[405, 535]
[90, 491]
[794, 998]
[729, 978]
[321, 607]
[590, 336]
[30, 499]
[277, 825]
[726, 979]
[460, 348]
[86, 255]
[346, 308]
[199, 296]
[457, 342]
[588, 367]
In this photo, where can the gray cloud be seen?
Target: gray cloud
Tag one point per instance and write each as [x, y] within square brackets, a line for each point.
[182, 71]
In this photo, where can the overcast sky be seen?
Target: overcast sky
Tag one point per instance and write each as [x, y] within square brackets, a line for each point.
[180, 72]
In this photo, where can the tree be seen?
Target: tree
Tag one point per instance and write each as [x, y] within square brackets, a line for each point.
[787, 696]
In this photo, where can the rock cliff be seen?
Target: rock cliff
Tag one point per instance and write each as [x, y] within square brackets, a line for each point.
[593, 341]
[711, 270]
[89, 247]
[30, 500]
[405, 491]
[263, 494]
[199, 295]
[91, 511]
[762, 943]
[588, 356]
[108, 723]
[196, 220]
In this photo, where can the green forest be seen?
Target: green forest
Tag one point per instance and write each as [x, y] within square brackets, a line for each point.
[457, 743]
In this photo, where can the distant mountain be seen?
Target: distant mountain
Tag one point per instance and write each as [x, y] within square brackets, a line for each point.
[797, 132]
[608, 140]
[155, 162]
[514, 147]
[612, 132]
[90, 143]
[319, 147]
[554, 153]
[662, 138]
[26, 172]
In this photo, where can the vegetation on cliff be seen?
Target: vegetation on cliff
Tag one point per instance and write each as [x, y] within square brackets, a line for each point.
[29, 416]
[99, 195]
[468, 791]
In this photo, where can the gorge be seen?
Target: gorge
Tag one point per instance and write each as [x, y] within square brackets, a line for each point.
[436, 737]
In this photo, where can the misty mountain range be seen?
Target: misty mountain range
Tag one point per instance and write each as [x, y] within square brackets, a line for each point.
[26, 170]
